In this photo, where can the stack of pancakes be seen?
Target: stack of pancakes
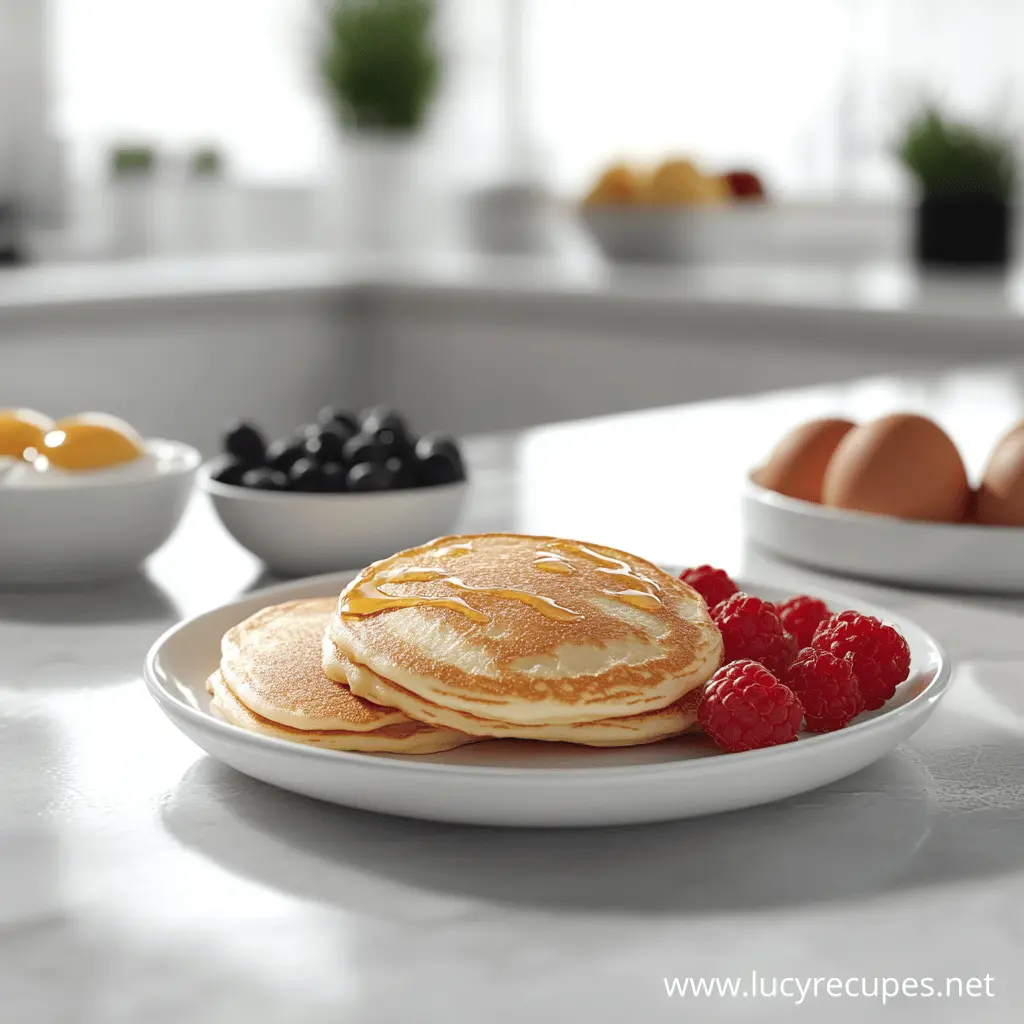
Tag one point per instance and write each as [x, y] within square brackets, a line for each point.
[473, 637]
[271, 681]
[501, 635]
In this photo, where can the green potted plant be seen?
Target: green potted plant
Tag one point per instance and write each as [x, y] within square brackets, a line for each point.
[204, 200]
[132, 161]
[967, 181]
[131, 207]
[206, 163]
[380, 66]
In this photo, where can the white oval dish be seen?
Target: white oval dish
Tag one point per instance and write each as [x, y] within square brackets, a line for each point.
[684, 234]
[99, 526]
[954, 556]
[301, 534]
[628, 234]
[510, 782]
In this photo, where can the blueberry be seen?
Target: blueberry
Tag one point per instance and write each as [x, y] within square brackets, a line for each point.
[340, 430]
[326, 446]
[263, 478]
[382, 417]
[335, 477]
[306, 475]
[369, 476]
[439, 469]
[285, 453]
[440, 459]
[231, 472]
[434, 444]
[246, 443]
[395, 443]
[333, 414]
[403, 473]
[362, 448]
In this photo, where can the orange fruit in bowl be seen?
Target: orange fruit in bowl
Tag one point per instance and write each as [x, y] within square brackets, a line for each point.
[91, 441]
[618, 184]
[21, 429]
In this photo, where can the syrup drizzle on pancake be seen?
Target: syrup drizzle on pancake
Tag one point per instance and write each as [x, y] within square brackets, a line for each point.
[552, 561]
[454, 551]
[643, 595]
[368, 599]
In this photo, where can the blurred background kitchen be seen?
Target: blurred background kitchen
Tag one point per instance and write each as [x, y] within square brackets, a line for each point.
[496, 213]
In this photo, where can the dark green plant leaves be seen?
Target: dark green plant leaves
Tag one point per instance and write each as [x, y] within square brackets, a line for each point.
[381, 63]
[956, 161]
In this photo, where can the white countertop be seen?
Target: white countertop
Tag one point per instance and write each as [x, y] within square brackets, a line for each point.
[141, 881]
[878, 299]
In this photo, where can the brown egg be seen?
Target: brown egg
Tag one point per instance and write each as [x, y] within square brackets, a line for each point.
[900, 465]
[1000, 500]
[797, 465]
[971, 512]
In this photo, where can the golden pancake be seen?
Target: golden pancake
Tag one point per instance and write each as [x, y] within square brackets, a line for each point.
[633, 730]
[407, 737]
[272, 663]
[526, 631]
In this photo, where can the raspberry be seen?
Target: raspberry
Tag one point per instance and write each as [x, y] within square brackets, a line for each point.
[826, 687]
[880, 656]
[745, 707]
[801, 617]
[714, 585]
[751, 629]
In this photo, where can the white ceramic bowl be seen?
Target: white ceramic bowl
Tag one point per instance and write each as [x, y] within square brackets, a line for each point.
[627, 234]
[512, 782]
[952, 556]
[100, 528]
[304, 534]
[729, 232]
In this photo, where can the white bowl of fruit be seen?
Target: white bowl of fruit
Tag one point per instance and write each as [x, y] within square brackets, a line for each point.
[85, 498]
[344, 491]
[673, 213]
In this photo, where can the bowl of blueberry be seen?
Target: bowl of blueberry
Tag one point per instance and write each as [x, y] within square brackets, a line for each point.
[341, 492]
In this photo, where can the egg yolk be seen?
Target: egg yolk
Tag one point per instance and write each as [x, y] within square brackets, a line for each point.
[90, 441]
[21, 429]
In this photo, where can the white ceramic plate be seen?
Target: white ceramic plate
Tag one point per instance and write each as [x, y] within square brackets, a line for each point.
[939, 555]
[511, 782]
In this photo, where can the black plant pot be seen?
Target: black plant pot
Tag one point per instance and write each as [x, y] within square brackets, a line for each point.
[963, 232]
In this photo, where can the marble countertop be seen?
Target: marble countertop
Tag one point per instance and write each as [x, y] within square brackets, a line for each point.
[140, 880]
[883, 303]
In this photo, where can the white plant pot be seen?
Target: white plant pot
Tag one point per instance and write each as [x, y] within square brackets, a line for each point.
[375, 195]
[131, 216]
[205, 215]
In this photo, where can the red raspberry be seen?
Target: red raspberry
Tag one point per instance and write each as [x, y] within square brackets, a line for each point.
[714, 585]
[880, 656]
[801, 617]
[826, 687]
[745, 707]
[751, 629]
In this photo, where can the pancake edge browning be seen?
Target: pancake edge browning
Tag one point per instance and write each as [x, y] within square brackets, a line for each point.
[243, 656]
[628, 731]
[409, 737]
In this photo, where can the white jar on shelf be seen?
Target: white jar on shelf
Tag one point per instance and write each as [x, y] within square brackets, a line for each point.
[204, 204]
[131, 202]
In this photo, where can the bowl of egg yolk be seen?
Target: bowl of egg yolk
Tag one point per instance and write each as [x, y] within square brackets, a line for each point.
[85, 498]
